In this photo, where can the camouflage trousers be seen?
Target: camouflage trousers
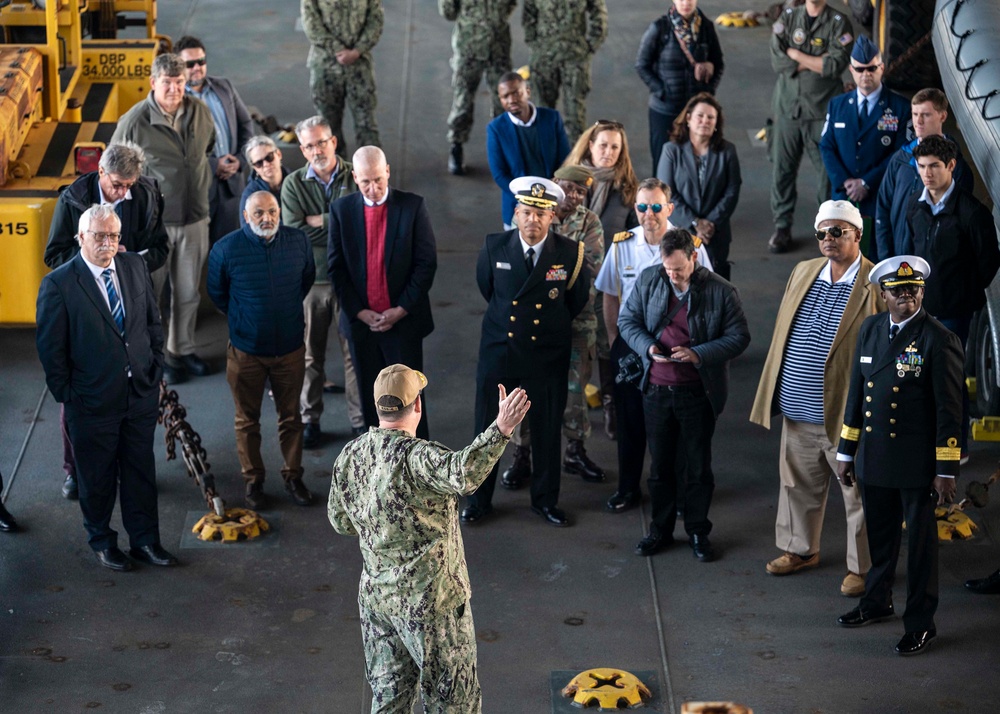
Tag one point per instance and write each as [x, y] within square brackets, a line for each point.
[576, 417]
[333, 84]
[467, 71]
[548, 74]
[435, 657]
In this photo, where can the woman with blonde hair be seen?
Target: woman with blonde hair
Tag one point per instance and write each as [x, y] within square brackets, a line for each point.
[603, 148]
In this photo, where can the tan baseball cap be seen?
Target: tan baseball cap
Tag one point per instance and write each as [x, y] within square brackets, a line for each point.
[397, 386]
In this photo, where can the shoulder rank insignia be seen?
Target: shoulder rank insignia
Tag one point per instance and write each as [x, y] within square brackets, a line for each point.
[619, 237]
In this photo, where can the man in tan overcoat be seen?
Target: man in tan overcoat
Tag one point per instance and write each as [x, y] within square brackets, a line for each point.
[805, 380]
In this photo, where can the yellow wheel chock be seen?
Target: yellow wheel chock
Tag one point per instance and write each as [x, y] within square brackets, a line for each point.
[737, 19]
[237, 524]
[952, 524]
[609, 689]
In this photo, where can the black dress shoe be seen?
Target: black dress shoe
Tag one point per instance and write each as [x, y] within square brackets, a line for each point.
[255, 498]
[311, 435]
[194, 365]
[577, 462]
[653, 543]
[456, 160]
[7, 522]
[915, 642]
[114, 559]
[702, 548]
[474, 514]
[298, 491]
[519, 471]
[553, 515]
[152, 555]
[331, 388]
[70, 489]
[990, 585]
[620, 502]
[174, 375]
[859, 618]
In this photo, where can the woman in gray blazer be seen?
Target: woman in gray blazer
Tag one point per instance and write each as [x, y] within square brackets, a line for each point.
[703, 173]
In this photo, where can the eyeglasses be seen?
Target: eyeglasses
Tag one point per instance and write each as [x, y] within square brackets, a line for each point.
[117, 186]
[317, 146]
[643, 207]
[268, 158]
[191, 64]
[861, 69]
[833, 231]
[907, 288]
[105, 237]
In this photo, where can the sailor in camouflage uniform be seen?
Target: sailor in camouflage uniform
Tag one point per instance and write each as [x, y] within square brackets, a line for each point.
[576, 222]
[342, 34]
[563, 35]
[399, 494]
[480, 43]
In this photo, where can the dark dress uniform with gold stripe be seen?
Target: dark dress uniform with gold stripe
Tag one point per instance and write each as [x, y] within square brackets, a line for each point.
[525, 342]
[902, 425]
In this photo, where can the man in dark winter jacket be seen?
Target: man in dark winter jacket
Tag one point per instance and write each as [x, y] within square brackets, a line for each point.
[135, 198]
[259, 276]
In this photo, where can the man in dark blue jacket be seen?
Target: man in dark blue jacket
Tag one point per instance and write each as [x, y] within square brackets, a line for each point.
[258, 276]
[523, 141]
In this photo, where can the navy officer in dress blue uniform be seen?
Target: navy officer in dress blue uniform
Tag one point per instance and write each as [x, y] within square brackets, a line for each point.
[535, 281]
[863, 129]
[901, 428]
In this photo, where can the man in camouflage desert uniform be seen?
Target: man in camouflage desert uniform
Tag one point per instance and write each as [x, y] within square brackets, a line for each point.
[480, 43]
[399, 494]
[342, 34]
[563, 35]
[578, 223]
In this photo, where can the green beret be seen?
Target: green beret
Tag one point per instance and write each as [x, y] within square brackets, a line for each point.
[577, 174]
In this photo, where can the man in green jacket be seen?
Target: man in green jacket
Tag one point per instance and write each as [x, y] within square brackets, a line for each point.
[306, 196]
[178, 136]
[810, 49]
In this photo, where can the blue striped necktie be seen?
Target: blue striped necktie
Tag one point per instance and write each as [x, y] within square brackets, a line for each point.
[114, 302]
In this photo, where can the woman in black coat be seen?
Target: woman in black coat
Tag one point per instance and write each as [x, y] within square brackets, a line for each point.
[679, 56]
[703, 173]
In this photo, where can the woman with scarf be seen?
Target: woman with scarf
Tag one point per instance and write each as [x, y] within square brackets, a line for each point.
[603, 148]
[679, 56]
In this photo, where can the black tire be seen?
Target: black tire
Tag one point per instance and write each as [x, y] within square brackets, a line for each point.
[902, 30]
[987, 391]
[862, 12]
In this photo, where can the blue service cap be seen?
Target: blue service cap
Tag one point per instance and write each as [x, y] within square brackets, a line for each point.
[864, 50]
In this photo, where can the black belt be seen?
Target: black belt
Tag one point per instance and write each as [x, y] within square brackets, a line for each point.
[691, 387]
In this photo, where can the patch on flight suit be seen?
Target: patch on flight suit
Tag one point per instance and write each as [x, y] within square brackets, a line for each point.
[817, 42]
[799, 36]
[779, 27]
[909, 361]
[846, 38]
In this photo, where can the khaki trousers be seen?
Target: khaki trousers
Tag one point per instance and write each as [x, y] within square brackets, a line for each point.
[185, 261]
[321, 311]
[807, 463]
[247, 375]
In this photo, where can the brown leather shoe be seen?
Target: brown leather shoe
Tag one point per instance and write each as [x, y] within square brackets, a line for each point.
[788, 563]
[298, 491]
[781, 240]
[255, 499]
[853, 585]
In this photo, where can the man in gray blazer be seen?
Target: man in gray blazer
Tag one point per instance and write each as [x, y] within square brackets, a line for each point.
[233, 128]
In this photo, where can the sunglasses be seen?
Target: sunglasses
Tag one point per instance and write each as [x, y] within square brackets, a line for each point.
[833, 232]
[266, 160]
[643, 207]
[907, 289]
[861, 69]
[191, 64]
[609, 122]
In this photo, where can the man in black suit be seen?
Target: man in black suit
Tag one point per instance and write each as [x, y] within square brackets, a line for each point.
[901, 428]
[535, 282]
[382, 259]
[101, 345]
[119, 183]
